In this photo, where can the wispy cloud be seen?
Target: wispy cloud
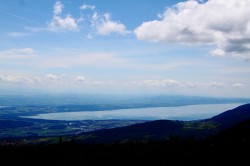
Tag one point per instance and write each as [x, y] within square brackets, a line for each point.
[18, 34]
[23, 53]
[94, 59]
[16, 16]
[85, 7]
[19, 79]
[58, 8]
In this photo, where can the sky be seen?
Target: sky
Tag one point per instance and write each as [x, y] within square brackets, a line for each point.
[172, 47]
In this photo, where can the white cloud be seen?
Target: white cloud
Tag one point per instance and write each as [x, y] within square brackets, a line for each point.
[239, 85]
[94, 59]
[81, 78]
[87, 81]
[2, 78]
[213, 84]
[58, 8]
[84, 7]
[189, 85]
[98, 83]
[101, 23]
[59, 22]
[218, 52]
[23, 53]
[81, 83]
[105, 25]
[223, 23]
[52, 77]
[161, 83]
[19, 79]
[179, 84]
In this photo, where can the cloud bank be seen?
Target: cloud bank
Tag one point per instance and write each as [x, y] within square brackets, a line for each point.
[49, 79]
[223, 23]
[170, 83]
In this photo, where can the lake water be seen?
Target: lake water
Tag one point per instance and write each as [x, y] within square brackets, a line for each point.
[190, 112]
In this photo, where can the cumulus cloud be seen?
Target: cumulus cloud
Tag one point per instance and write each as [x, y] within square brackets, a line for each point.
[223, 23]
[59, 22]
[22, 53]
[103, 23]
[106, 26]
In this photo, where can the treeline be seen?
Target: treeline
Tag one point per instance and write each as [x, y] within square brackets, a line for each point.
[174, 151]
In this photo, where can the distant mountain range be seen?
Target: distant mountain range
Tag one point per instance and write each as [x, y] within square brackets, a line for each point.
[108, 102]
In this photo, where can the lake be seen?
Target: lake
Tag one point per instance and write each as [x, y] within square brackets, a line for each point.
[190, 112]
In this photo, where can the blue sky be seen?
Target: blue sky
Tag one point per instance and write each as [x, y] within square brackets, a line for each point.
[121, 46]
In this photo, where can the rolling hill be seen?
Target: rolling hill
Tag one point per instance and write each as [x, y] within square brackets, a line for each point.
[154, 130]
[232, 117]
